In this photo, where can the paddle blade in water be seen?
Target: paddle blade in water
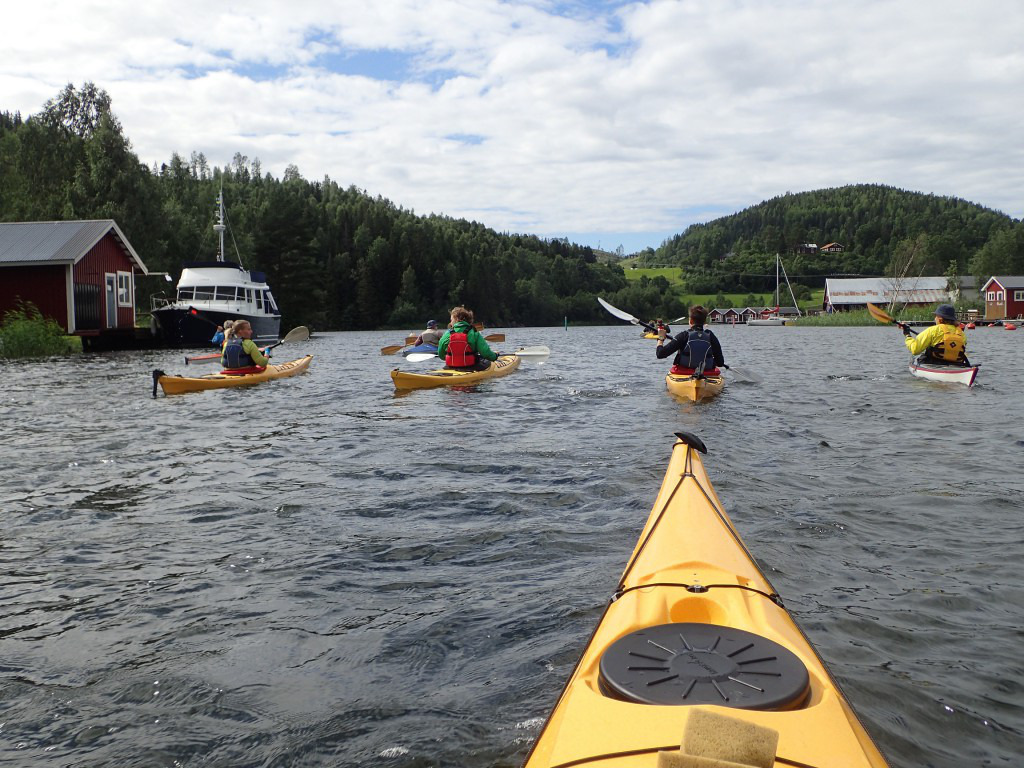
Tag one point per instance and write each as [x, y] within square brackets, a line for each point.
[392, 349]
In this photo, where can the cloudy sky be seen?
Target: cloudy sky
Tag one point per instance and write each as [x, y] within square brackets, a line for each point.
[608, 122]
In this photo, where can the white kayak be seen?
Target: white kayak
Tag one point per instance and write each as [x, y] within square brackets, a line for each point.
[951, 374]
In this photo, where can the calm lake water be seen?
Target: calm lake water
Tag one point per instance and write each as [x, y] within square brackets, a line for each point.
[317, 572]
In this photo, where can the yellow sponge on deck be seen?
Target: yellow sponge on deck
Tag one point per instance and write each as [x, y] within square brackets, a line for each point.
[721, 737]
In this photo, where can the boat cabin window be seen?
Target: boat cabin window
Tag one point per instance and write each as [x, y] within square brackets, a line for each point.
[185, 294]
[225, 293]
[269, 302]
[259, 300]
[248, 295]
[204, 293]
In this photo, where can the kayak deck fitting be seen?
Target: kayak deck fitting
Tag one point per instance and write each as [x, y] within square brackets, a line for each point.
[696, 643]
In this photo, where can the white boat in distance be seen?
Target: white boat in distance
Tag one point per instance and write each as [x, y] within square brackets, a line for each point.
[210, 292]
[778, 320]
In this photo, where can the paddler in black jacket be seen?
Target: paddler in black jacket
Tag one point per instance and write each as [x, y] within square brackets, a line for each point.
[696, 349]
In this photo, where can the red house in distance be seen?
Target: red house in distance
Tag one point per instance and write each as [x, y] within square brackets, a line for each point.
[1004, 297]
[79, 273]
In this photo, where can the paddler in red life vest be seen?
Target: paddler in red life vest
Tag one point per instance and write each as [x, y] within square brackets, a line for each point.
[697, 349]
[240, 351]
[943, 342]
[462, 346]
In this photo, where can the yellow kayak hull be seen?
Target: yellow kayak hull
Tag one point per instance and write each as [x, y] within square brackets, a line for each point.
[689, 569]
[176, 385]
[450, 377]
[692, 388]
[649, 335]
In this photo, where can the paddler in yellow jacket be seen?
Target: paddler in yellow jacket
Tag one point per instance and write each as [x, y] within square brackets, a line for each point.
[943, 342]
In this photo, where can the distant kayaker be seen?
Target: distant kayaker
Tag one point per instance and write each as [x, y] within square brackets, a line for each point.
[696, 349]
[659, 325]
[462, 346]
[240, 351]
[218, 337]
[430, 336]
[943, 342]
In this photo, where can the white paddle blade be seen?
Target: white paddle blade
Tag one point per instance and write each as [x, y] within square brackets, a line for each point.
[420, 357]
[299, 333]
[538, 351]
[618, 312]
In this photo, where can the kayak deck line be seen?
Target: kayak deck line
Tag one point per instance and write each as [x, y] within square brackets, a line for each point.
[694, 626]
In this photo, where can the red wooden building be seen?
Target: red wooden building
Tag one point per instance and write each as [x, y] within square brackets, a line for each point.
[79, 273]
[1004, 297]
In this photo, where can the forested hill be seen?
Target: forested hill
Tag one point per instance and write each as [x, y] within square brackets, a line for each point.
[877, 226]
[335, 257]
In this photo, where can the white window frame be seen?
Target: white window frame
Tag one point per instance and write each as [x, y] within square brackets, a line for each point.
[125, 296]
[990, 296]
[1018, 295]
[999, 295]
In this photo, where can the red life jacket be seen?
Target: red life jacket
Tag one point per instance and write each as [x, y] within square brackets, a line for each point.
[459, 354]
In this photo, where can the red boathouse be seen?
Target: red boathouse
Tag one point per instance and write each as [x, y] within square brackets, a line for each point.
[79, 273]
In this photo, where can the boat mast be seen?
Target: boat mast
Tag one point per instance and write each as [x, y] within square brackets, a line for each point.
[219, 227]
[777, 260]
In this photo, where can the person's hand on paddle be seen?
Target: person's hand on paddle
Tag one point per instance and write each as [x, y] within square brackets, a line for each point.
[661, 333]
[904, 328]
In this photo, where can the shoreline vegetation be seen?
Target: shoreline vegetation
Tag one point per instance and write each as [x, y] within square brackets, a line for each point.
[24, 332]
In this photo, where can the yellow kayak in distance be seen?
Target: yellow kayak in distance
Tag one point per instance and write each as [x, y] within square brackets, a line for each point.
[693, 387]
[695, 637]
[176, 385]
[453, 377]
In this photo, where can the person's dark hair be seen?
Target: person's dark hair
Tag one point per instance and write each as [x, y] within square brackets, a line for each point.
[698, 315]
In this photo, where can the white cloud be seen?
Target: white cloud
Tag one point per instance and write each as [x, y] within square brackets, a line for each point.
[607, 117]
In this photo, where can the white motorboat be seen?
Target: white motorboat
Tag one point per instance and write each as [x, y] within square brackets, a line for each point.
[210, 292]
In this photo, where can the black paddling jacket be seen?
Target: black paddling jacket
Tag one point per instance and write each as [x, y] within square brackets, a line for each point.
[679, 345]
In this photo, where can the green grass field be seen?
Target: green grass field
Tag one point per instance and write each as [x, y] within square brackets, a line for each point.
[675, 277]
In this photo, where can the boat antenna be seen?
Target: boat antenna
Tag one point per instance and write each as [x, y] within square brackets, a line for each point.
[219, 227]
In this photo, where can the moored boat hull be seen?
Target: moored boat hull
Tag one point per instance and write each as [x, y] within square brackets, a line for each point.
[694, 388]
[949, 374]
[450, 377]
[176, 385]
[690, 599]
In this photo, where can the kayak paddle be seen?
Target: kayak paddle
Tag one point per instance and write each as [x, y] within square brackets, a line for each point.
[299, 333]
[884, 317]
[396, 347]
[537, 353]
[636, 321]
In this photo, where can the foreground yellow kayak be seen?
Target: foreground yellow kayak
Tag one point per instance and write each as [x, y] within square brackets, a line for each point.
[695, 638]
[694, 388]
[448, 377]
[175, 385]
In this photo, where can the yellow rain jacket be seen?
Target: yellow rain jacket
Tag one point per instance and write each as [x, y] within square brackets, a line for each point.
[945, 340]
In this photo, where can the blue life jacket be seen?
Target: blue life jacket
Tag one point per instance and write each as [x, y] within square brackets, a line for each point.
[234, 356]
[698, 350]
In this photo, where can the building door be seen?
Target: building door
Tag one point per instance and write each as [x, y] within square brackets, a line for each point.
[111, 296]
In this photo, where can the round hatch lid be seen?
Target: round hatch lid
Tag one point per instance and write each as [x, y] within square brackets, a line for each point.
[689, 663]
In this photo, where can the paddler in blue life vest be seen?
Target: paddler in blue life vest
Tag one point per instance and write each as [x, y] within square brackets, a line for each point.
[462, 346]
[697, 349]
[240, 351]
[943, 342]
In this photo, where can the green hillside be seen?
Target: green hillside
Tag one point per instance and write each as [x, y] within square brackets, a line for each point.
[879, 228]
